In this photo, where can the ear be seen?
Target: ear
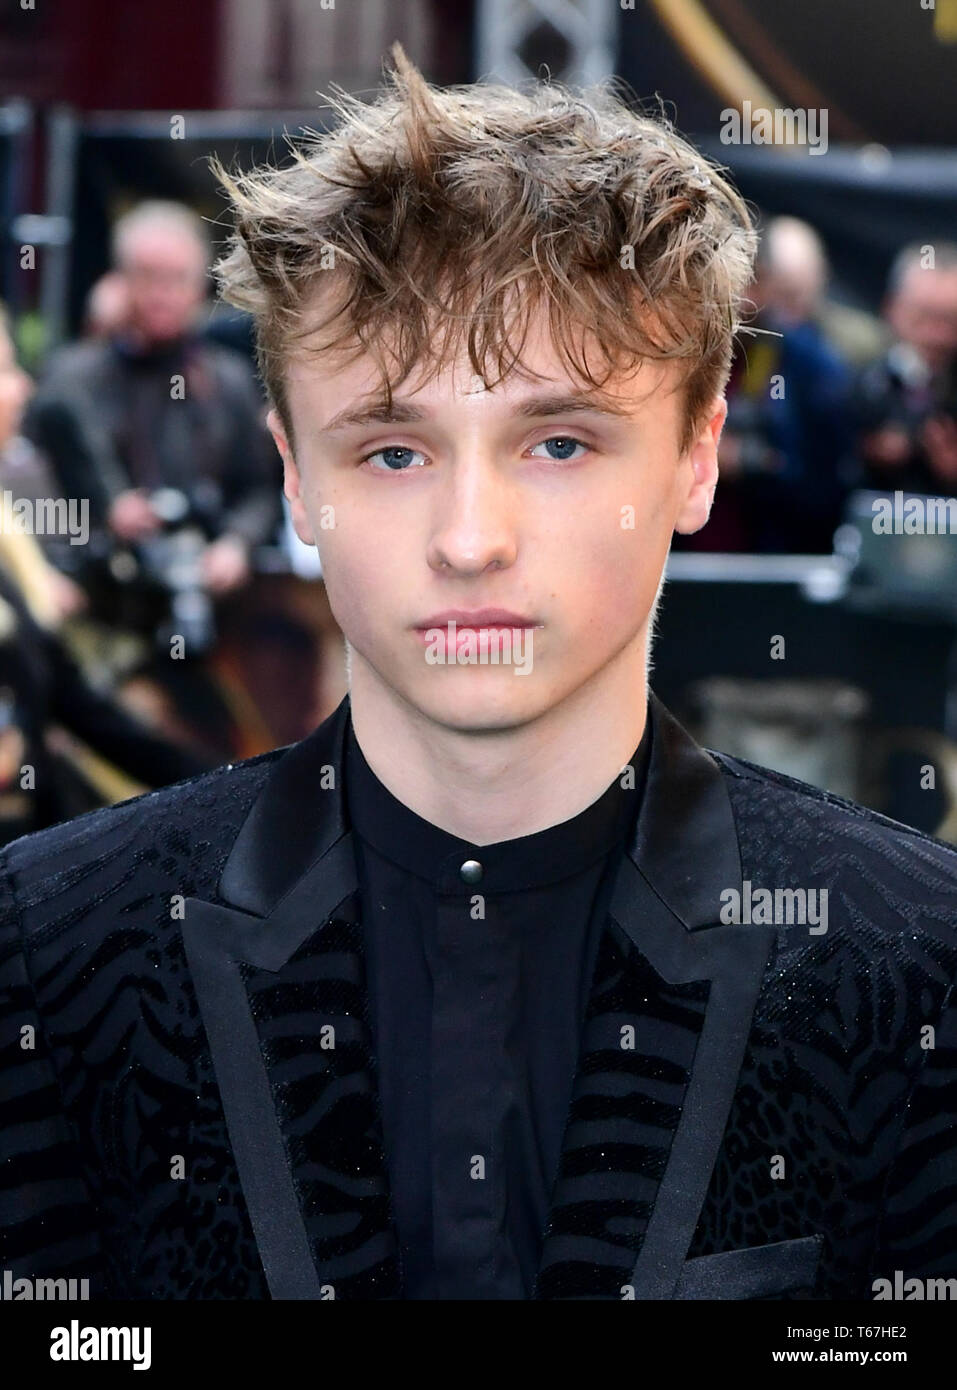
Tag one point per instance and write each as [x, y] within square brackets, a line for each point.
[702, 461]
[291, 480]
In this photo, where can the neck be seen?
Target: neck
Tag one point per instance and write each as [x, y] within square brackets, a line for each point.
[499, 785]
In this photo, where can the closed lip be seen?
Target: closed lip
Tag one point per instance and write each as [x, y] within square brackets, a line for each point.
[478, 617]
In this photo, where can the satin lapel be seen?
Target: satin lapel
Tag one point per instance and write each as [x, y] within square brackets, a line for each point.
[279, 976]
[667, 1023]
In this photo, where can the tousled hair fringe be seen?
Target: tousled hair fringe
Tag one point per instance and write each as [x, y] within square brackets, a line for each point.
[438, 216]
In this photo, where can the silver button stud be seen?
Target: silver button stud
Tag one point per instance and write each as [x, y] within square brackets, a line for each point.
[471, 871]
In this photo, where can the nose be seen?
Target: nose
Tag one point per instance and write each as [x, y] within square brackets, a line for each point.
[475, 520]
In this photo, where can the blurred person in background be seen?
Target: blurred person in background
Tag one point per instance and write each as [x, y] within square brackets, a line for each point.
[149, 405]
[163, 432]
[800, 289]
[24, 471]
[47, 704]
[46, 776]
[905, 402]
[783, 452]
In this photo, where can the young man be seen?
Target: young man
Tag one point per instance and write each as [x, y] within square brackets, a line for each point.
[497, 985]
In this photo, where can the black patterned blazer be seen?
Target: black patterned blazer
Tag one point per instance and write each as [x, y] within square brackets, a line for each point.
[760, 1110]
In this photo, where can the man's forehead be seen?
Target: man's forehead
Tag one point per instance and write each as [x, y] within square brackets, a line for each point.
[336, 410]
[338, 396]
[538, 353]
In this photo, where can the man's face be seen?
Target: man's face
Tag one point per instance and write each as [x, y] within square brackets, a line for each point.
[923, 313]
[165, 273]
[563, 517]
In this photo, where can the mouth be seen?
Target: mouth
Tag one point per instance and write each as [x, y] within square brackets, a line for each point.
[496, 631]
[478, 620]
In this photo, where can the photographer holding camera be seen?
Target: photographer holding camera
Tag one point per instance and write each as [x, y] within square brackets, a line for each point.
[163, 432]
[906, 401]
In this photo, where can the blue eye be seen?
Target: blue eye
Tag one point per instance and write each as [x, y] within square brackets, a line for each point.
[563, 442]
[399, 459]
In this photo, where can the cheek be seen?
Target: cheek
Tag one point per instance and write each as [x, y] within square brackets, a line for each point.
[611, 571]
[361, 564]
[350, 578]
[615, 593]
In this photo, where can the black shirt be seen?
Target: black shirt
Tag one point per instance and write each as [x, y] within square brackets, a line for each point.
[477, 994]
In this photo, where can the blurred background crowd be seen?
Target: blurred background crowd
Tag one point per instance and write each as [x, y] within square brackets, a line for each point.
[789, 633]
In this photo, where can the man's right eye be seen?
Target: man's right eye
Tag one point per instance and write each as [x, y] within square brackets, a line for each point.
[397, 457]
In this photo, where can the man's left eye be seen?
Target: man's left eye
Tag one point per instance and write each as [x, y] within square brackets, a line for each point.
[563, 444]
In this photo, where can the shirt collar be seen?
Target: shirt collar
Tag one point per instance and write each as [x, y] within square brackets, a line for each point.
[412, 843]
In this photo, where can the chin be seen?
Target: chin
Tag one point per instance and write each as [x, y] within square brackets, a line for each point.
[483, 706]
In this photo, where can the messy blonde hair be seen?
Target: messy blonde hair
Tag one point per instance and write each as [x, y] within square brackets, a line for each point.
[472, 206]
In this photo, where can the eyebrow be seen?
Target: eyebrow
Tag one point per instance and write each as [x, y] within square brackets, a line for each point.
[404, 412]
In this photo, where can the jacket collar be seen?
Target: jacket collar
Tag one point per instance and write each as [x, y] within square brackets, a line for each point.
[684, 843]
